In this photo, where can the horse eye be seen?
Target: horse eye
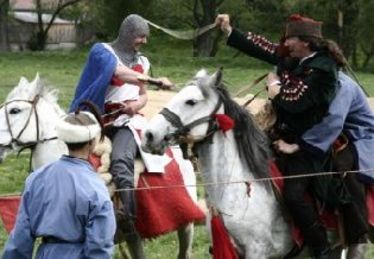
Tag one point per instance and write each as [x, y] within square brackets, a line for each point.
[191, 102]
[14, 111]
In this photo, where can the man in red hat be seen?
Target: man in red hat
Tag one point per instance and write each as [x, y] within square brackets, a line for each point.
[301, 91]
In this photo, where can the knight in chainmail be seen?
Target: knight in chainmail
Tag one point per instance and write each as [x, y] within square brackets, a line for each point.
[132, 27]
[110, 79]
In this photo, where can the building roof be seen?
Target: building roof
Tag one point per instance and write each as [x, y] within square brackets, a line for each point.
[22, 4]
[32, 17]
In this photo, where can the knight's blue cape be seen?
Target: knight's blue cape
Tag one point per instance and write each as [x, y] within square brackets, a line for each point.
[95, 78]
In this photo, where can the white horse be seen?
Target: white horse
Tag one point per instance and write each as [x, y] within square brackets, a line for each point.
[255, 221]
[27, 120]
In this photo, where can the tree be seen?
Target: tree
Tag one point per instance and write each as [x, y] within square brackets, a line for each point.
[4, 39]
[365, 35]
[39, 39]
[113, 12]
[204, 13]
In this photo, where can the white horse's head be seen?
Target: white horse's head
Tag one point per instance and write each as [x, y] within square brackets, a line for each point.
[28, 115]
[189, 113]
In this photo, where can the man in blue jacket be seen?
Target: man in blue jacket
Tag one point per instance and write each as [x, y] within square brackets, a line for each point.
[65, 203]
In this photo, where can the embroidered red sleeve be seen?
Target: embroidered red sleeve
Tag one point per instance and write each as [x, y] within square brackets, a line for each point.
[293, 87]
[262, 42]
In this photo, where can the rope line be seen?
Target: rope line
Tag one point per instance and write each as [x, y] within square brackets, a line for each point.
[244, 181]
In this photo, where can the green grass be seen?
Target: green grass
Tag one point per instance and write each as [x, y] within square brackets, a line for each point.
[170, 58]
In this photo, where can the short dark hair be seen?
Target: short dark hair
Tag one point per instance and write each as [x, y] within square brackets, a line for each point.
[76, 146]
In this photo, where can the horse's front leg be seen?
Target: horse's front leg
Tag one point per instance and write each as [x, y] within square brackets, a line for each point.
[357, 251]
[185, 236]
[136, 246]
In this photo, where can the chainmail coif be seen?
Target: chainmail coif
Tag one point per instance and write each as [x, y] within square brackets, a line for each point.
[132, 26]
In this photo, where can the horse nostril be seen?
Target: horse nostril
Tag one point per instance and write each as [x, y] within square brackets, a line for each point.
[149, 136]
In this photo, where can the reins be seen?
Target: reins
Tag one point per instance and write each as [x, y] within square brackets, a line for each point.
[16, 140]
[247, 88]
[182, 131]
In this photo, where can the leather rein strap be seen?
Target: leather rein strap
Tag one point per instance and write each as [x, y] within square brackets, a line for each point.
[33, 110]
[183, 130]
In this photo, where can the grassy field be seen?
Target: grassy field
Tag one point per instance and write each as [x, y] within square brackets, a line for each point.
[169, 58]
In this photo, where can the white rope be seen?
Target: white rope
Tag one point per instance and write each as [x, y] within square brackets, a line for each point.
[244, 181]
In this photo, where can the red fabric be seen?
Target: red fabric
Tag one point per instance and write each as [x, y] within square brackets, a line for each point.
[225, 123]
[115, 81]
[94, 160]
[222, 245]
[8, 211]
[158, 211]
[329, 220]
[275, 173]
[138, 68]
[300, 18]
[164, 210]
[370, 204]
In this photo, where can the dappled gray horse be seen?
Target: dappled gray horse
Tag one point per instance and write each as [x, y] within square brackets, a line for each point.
[254, 221]
[229, 159]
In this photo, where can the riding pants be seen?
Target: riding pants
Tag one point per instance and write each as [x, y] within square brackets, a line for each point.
[122, 166]
[303, 212]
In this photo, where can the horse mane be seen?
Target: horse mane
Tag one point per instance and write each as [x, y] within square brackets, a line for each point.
[252, 142]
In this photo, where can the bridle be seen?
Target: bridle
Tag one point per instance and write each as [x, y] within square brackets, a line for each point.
[16, 139]
[181, 134]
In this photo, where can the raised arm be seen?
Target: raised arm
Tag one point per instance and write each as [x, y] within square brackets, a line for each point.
[251, 44]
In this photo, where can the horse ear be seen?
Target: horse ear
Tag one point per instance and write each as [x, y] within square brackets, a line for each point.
[23, 81]
[202, 73]
[216, 78]
[37, 84]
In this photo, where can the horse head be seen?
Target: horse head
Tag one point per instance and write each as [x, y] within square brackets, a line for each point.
[188, 116]
[28, 116]
[192, 116]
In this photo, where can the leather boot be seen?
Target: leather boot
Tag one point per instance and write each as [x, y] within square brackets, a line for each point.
[316, 240]
[128, 202]
[125, 217]
[330, 253]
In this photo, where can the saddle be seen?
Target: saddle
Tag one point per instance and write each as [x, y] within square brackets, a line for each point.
[330, 216]
[159, 210]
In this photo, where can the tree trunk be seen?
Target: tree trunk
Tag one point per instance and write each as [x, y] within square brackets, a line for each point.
[206, 45]
[40, 37]
[354, 58]
[350, 14]
[4, 36]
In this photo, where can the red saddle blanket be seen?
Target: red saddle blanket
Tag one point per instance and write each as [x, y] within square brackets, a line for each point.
[8, 210]
[329, 220]
[164, 209]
